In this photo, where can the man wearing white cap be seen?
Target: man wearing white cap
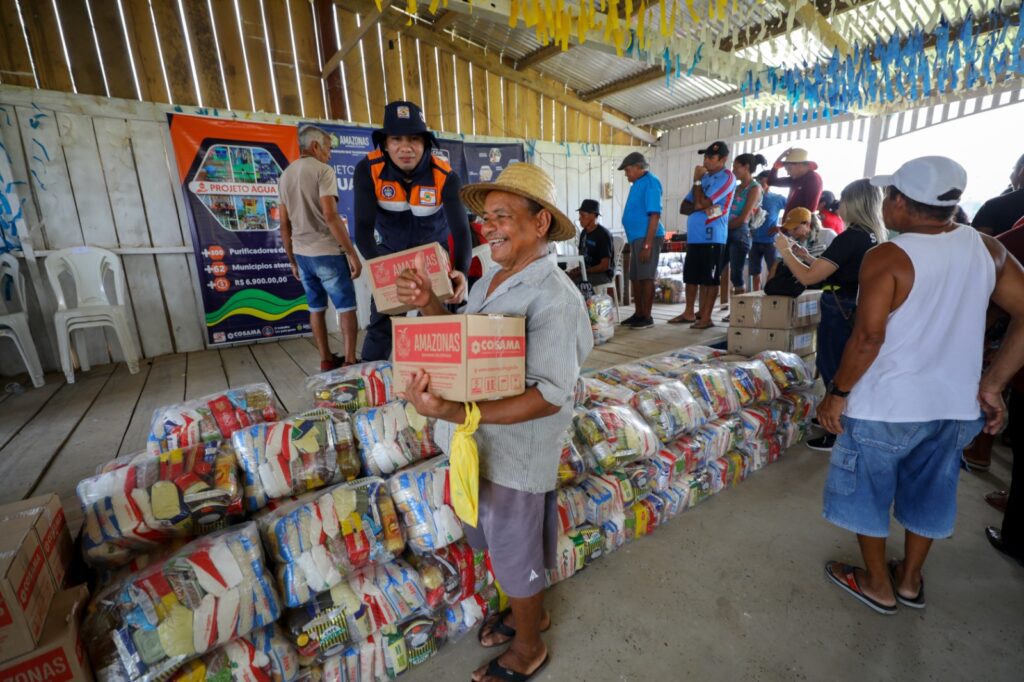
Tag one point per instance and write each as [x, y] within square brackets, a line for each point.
[910, 393]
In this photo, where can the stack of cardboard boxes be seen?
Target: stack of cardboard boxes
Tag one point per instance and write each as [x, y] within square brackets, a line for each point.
[758, 323]
[38, 617]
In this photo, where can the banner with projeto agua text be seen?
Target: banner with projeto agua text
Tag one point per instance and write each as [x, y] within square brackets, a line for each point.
[484, 162]
[228, 171]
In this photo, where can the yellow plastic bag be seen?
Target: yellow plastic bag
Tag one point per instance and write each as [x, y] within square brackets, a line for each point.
[464, 465]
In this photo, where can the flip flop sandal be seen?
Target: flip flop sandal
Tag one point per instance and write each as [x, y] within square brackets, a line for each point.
[680, 320]
[500, 672]
[496, 624]
[698, 325]
[848, 583]
[915, 603]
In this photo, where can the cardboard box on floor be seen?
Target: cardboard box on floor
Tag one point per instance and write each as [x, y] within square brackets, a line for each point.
[51, 528]
[60, 655]
[775, 312]
[468, 357]
[26, 588]
[384, 272]
[744, 341]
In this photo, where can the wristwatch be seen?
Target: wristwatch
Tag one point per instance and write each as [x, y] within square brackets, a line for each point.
[834, 390]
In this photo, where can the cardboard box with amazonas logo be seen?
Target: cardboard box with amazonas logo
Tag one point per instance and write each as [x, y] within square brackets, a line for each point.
[468, 357]
[384, 272]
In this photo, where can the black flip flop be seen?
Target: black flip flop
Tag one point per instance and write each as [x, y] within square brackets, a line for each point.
[497, 624]
[500, 672]
[915, 603]
[848, 583]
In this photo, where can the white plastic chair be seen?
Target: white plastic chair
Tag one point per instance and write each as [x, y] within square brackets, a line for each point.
[483, 252]
[613, 288]
[14, 318]
[88, 268]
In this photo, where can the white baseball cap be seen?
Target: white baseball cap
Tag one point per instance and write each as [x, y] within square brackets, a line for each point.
[930, 180]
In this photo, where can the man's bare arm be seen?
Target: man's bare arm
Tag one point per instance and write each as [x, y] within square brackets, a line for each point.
[1008, 295]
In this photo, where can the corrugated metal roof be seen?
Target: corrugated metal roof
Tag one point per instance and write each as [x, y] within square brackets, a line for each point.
[582, 69]
[654, 98]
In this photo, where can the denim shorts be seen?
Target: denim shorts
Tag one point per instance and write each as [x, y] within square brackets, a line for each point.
[324, 276]
[912, 467]
[758, 252]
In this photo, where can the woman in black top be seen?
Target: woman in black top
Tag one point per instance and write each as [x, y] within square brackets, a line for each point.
[837, 270]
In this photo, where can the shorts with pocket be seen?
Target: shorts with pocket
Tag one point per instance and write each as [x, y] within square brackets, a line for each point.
[327, 276]
[639, 270]
[520, 532]
[703, 264]
[911, 467]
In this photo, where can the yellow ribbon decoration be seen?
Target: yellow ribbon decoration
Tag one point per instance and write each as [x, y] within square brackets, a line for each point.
[464, 467]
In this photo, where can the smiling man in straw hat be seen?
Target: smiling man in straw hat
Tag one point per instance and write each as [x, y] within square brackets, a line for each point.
[518, 438]
[803, 182]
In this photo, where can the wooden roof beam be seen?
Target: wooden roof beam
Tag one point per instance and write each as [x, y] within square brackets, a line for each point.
[776, 26]
[369, 21]
[539, 55]
[492, 62]
[444, 19]
[648, 75]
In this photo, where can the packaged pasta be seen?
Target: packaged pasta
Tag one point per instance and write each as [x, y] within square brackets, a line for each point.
[264, 655]
[295, 456]
[393, 436]
[698, 354]
[572, 507]
[420, 496]
[592, 392]
[615, 435]
[210, 592]
[452, 574]
[354, 387]
[320, 538]
[669, 408]
[713, 385]
[213, 417]
[752, 381]
[788, 370]
[668, 365]
[572, 466]
[150, 499]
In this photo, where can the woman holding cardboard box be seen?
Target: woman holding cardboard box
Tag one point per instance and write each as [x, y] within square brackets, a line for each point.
[838, 267]
[518, 437]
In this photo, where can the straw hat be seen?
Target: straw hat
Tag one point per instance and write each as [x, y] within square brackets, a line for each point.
[797, 155]
[528, 181]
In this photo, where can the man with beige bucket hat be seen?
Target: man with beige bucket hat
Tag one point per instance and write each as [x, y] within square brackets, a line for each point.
[518, 437]
[803, 182]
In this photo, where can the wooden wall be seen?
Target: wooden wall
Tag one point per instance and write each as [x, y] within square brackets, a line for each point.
[267, 56]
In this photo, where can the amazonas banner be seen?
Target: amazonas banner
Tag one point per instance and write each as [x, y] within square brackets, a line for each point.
[228, 171]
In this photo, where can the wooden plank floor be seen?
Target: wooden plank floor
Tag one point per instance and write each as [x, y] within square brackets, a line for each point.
[54, 436]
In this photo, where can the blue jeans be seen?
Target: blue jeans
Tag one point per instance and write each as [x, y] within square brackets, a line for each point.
[911, 467]
[761, 251]
[324, 276]
[738, 245]
[833, 333]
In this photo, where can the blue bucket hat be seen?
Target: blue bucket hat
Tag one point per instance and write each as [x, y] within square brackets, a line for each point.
[403, 118]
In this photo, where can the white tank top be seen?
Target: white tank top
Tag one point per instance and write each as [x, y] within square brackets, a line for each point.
[929, 366]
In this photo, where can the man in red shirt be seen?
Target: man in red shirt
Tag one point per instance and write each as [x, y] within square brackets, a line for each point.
[803, 182]
[1009, 539]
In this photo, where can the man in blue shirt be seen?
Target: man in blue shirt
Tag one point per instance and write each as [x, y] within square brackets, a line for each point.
[762, 248]
[641, 219]
[707, 205]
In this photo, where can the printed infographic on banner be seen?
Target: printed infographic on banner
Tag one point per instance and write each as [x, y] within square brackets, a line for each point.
[452, 152]
[349, 144]
[228, 171]
[484, 162]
